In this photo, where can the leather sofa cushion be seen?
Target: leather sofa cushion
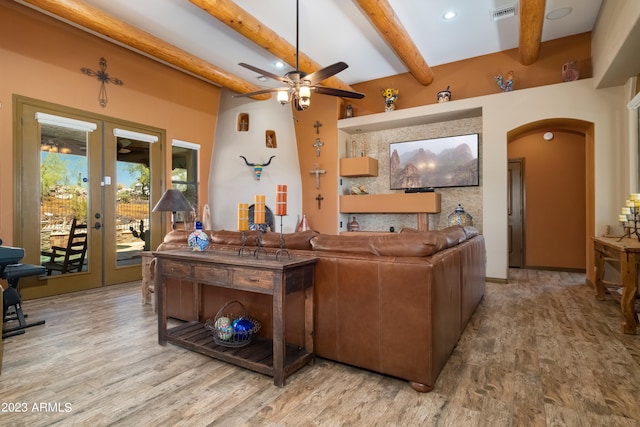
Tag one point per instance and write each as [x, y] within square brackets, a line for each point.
[455, 234]
[398, 245]
[299, 240]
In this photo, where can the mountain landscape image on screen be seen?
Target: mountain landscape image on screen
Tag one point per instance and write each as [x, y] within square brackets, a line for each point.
[420, 167]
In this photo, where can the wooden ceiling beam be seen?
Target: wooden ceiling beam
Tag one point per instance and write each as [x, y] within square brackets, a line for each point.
[531, 21]
[239, 20]
[96, 20]
[384, 19]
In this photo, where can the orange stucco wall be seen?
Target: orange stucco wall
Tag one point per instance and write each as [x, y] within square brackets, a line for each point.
[41, 58]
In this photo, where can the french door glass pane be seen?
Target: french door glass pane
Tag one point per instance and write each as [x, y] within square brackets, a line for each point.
[64, 188]
[132, 200]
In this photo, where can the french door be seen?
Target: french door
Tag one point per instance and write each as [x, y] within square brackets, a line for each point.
[99, 171]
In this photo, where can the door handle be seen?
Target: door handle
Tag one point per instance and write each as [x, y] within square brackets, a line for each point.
[98, 224]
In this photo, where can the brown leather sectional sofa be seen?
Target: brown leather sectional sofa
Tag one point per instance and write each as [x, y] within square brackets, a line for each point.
[392, 303]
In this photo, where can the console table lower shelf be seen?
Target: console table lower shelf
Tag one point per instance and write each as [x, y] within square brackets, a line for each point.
[256, 356]
[272, 355]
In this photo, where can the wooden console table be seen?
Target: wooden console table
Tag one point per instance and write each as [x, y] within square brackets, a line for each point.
[264, 275]
[627, 254]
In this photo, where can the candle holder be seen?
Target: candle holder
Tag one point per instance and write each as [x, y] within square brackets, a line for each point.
[243, 245]
[282, 249]
[630, 224]
[259, 248]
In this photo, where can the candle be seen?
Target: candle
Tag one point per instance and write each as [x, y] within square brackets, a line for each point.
[626, 211]
[243, 216]
[634, 196]
[630, 203]
[281, 200]
[258, 209]
[622, 218]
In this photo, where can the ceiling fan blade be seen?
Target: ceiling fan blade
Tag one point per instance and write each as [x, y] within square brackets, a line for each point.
[338, 92]
[258, 92]
[325, 73]
[265, 73]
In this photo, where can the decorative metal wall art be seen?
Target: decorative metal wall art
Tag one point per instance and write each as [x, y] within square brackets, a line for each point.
[104, 78]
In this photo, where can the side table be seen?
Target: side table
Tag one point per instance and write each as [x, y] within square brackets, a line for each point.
[627, 253]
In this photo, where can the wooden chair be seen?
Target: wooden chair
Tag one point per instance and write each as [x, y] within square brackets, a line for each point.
[71, 258]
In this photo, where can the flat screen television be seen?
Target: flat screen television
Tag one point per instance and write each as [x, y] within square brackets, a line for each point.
[450, 161]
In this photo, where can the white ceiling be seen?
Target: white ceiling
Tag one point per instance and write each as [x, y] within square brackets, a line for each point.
[336, 30]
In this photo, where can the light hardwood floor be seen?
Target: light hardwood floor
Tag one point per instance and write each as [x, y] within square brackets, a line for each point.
[539, 351]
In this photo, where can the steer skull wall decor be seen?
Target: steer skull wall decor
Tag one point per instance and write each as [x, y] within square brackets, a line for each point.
[257, 168]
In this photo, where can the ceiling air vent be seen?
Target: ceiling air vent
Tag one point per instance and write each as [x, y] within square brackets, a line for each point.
[504, 12]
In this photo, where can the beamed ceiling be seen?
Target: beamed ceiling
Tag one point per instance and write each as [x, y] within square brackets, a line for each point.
[376, 38]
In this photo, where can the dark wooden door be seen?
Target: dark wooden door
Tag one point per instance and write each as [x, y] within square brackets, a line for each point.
[515, 212]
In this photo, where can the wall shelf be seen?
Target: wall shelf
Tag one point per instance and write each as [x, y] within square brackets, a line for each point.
[358, 166]
[421, 204]
[391, 203]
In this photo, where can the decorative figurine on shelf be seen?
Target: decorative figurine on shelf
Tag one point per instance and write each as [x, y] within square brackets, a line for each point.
[505, 86]
[390, 97]
[444, 95]
[198, 240]
[348, 112]
[570, 71]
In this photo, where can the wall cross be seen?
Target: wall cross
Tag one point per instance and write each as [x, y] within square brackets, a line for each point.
[317, 145]
[317, 126]
[319, 199]
[104, 78]
[317, 172]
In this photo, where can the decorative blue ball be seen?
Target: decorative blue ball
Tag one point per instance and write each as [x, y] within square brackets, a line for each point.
[242, 328]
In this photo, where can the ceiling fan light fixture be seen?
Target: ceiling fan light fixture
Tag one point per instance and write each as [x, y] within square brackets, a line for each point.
[304, 97]
[283, 96]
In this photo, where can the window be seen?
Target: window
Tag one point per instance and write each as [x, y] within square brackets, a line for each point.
[184, 172]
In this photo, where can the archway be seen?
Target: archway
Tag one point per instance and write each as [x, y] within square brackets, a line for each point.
[586, 131]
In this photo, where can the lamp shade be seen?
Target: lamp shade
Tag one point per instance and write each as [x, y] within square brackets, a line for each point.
[172, 201]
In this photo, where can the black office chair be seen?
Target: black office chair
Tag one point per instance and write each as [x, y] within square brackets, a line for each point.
[12, 270]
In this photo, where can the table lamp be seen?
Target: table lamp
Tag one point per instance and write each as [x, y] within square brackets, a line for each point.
[173, 201]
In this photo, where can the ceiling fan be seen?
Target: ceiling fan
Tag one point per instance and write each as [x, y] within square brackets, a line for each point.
[299, 84]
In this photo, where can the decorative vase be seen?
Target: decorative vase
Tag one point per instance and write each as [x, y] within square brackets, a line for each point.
[353, 225]
[459, 217]
[349, 112]
[444, 95]
[570, 71]
[198, 240]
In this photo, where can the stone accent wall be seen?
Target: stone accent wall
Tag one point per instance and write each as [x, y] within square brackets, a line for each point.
[377, 146]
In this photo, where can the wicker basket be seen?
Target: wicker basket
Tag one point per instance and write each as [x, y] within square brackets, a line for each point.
[231, 326]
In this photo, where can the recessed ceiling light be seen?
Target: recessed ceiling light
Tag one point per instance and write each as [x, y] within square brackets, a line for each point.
[558, 13]
[262, 78]
[548, 136]
[278, 64]
[448, 16]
